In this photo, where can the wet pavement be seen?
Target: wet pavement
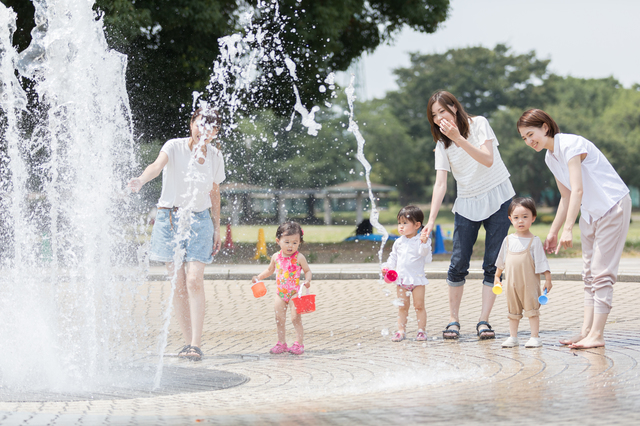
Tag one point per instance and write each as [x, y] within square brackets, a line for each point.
[351, 373]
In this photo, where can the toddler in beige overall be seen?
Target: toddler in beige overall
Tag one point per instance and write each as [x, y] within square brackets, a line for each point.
[522, 259]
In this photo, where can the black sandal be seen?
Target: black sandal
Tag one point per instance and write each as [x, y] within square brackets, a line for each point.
[490, 333]
[194, 354]
[456, 332]
[183, 351]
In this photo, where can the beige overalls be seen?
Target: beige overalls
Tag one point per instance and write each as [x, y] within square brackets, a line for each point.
[523, 284]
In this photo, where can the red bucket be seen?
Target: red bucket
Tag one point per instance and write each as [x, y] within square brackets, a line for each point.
[305, 304]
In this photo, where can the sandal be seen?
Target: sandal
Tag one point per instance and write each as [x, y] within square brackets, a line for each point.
[489, 333]
[183, 351]
[194, 354]
[456, 333]
[399, 337]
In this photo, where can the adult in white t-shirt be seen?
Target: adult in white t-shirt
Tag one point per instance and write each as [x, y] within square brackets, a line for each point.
[467, 147]
[186, 231]
[588, 184]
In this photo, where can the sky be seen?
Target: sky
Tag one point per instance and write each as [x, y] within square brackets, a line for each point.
[582, 38]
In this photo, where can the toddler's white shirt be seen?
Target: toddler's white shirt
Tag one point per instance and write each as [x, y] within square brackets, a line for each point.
[408, 257]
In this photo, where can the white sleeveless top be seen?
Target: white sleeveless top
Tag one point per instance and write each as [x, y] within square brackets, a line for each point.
[481, 190]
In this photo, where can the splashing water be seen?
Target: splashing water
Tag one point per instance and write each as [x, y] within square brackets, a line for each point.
[66, 298]
[353, 128]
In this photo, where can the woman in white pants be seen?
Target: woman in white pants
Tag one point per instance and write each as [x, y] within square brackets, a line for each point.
[590, 185]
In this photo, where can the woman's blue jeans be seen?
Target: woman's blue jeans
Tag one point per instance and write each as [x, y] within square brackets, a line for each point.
[465, 234]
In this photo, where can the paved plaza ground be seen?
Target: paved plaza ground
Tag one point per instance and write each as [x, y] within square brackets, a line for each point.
[351, 373]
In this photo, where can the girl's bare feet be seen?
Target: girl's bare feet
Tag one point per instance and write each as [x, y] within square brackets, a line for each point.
[572, 340]
[588, 343]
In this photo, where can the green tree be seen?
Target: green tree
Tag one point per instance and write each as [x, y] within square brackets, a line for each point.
[482, 79]
[171, 46]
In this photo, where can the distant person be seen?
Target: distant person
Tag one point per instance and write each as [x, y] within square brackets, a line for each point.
[409, 254]
[589, 185]
[287, 264]
[467, 147]
[192, 170]
[522, 259]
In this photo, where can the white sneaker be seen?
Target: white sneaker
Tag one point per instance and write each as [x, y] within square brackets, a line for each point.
[534, 342]
[511, 342]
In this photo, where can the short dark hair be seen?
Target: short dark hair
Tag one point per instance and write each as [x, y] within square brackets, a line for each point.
[290, 228]
[412, 213]
[210, 115]
[525, 202]
[536, 118]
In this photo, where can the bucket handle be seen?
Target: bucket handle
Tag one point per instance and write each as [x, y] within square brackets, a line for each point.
[300, 291]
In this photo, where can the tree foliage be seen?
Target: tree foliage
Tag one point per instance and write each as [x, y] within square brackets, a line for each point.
[500, 85]
[172, 45]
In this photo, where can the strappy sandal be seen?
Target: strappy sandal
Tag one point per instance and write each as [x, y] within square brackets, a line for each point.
[183, 351]
[194, 354]
[489, 333]
[456, 332]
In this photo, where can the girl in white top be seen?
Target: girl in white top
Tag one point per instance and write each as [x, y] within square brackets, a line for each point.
[589, 184]
[522, 272]
[184, 231]
[409, 254]
[467, 147]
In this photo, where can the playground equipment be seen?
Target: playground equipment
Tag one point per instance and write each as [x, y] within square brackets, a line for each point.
[261, 247]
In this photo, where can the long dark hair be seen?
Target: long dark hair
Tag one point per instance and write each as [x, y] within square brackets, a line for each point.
[447, 100]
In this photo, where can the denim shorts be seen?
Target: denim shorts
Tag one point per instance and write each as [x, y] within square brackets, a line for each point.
[198, 246]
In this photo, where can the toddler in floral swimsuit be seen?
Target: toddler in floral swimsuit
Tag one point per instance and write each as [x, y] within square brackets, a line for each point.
[287, 264]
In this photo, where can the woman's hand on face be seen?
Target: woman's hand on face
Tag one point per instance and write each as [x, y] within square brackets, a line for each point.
[135, 184]
[217, 243]
[551, 243]
[450, 130]
[566, 240]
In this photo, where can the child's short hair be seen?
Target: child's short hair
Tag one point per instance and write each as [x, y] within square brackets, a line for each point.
[525, 202]
[290, 228]
[412, 214]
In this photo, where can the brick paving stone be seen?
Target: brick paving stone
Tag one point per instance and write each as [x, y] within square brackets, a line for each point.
[353, 374]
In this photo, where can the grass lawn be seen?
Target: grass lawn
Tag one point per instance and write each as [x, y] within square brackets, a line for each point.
[337, 233]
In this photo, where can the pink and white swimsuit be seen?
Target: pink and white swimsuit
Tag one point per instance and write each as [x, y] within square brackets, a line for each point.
[287, 275]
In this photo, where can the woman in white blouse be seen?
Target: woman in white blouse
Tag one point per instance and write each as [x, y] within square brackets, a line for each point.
[186, 231]
[467, 147]
[588, 184]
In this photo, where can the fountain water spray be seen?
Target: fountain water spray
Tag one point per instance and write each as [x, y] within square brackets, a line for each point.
[353, 128]
[65, 318]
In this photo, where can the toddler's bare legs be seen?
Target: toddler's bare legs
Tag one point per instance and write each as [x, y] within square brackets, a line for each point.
[403, 311]
[281, 318]
[534, 323]
[586, 327]
[418, 304]
[513, 327]
[296, 319]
